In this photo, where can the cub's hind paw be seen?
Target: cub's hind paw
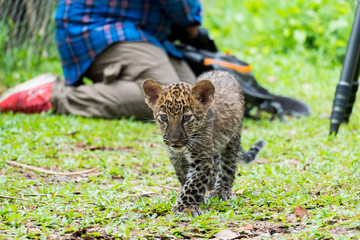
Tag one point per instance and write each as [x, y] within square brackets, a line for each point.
[223, 195]
[182, 208]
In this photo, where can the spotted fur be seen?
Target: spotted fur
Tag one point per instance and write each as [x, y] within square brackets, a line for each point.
[201, 126]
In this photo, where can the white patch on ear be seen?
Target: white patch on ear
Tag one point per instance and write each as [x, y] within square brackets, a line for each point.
[204, 92]
[152, 91]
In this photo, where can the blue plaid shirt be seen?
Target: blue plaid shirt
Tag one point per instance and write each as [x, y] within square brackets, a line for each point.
[86, 27]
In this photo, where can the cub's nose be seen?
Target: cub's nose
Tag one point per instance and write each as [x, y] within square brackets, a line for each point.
[175, 138]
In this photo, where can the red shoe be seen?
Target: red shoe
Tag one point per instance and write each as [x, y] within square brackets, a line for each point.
[32, 96]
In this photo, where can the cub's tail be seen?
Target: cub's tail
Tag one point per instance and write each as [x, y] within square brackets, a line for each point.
[249, 156]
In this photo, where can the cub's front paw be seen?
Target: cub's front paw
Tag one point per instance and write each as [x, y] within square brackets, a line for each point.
[182, 208]
[222, 194]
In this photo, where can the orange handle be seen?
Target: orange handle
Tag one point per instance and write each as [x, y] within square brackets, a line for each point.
[242, 69]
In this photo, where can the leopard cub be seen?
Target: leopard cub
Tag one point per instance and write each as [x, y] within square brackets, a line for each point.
[201, 126]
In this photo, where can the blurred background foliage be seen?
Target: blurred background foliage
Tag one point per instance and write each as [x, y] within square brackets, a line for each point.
[282, 27]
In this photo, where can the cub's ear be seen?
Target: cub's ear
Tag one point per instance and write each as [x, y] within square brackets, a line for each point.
[152, 90]
[204, 91]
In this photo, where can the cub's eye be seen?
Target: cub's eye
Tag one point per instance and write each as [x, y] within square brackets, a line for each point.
[186, 118]
[164, 117]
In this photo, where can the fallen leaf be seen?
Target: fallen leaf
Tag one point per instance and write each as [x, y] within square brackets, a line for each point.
[93, 148]
[80, 144]
[153, 145]
[261, 161]
[301, 212]
[247, 227]
[125, 148]
[294, 162]
[239, 192]
[226, 234]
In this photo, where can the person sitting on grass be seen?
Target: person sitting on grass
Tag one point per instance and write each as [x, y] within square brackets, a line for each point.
[117, 44]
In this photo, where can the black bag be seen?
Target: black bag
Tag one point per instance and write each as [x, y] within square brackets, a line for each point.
[201, 60]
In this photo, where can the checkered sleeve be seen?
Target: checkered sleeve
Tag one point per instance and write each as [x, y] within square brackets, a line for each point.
[183, 12]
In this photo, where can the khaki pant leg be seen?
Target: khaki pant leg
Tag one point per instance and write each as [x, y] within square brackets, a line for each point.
[183, 70]
[118, 73]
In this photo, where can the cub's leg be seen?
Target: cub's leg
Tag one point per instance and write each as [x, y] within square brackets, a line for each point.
[214, 173]
[180, 164]
[193, 191]
[227, 169]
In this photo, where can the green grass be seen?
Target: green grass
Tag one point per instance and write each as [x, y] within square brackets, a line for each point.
[300, 166]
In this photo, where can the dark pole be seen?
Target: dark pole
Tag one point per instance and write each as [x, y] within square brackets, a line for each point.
[346, 89]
